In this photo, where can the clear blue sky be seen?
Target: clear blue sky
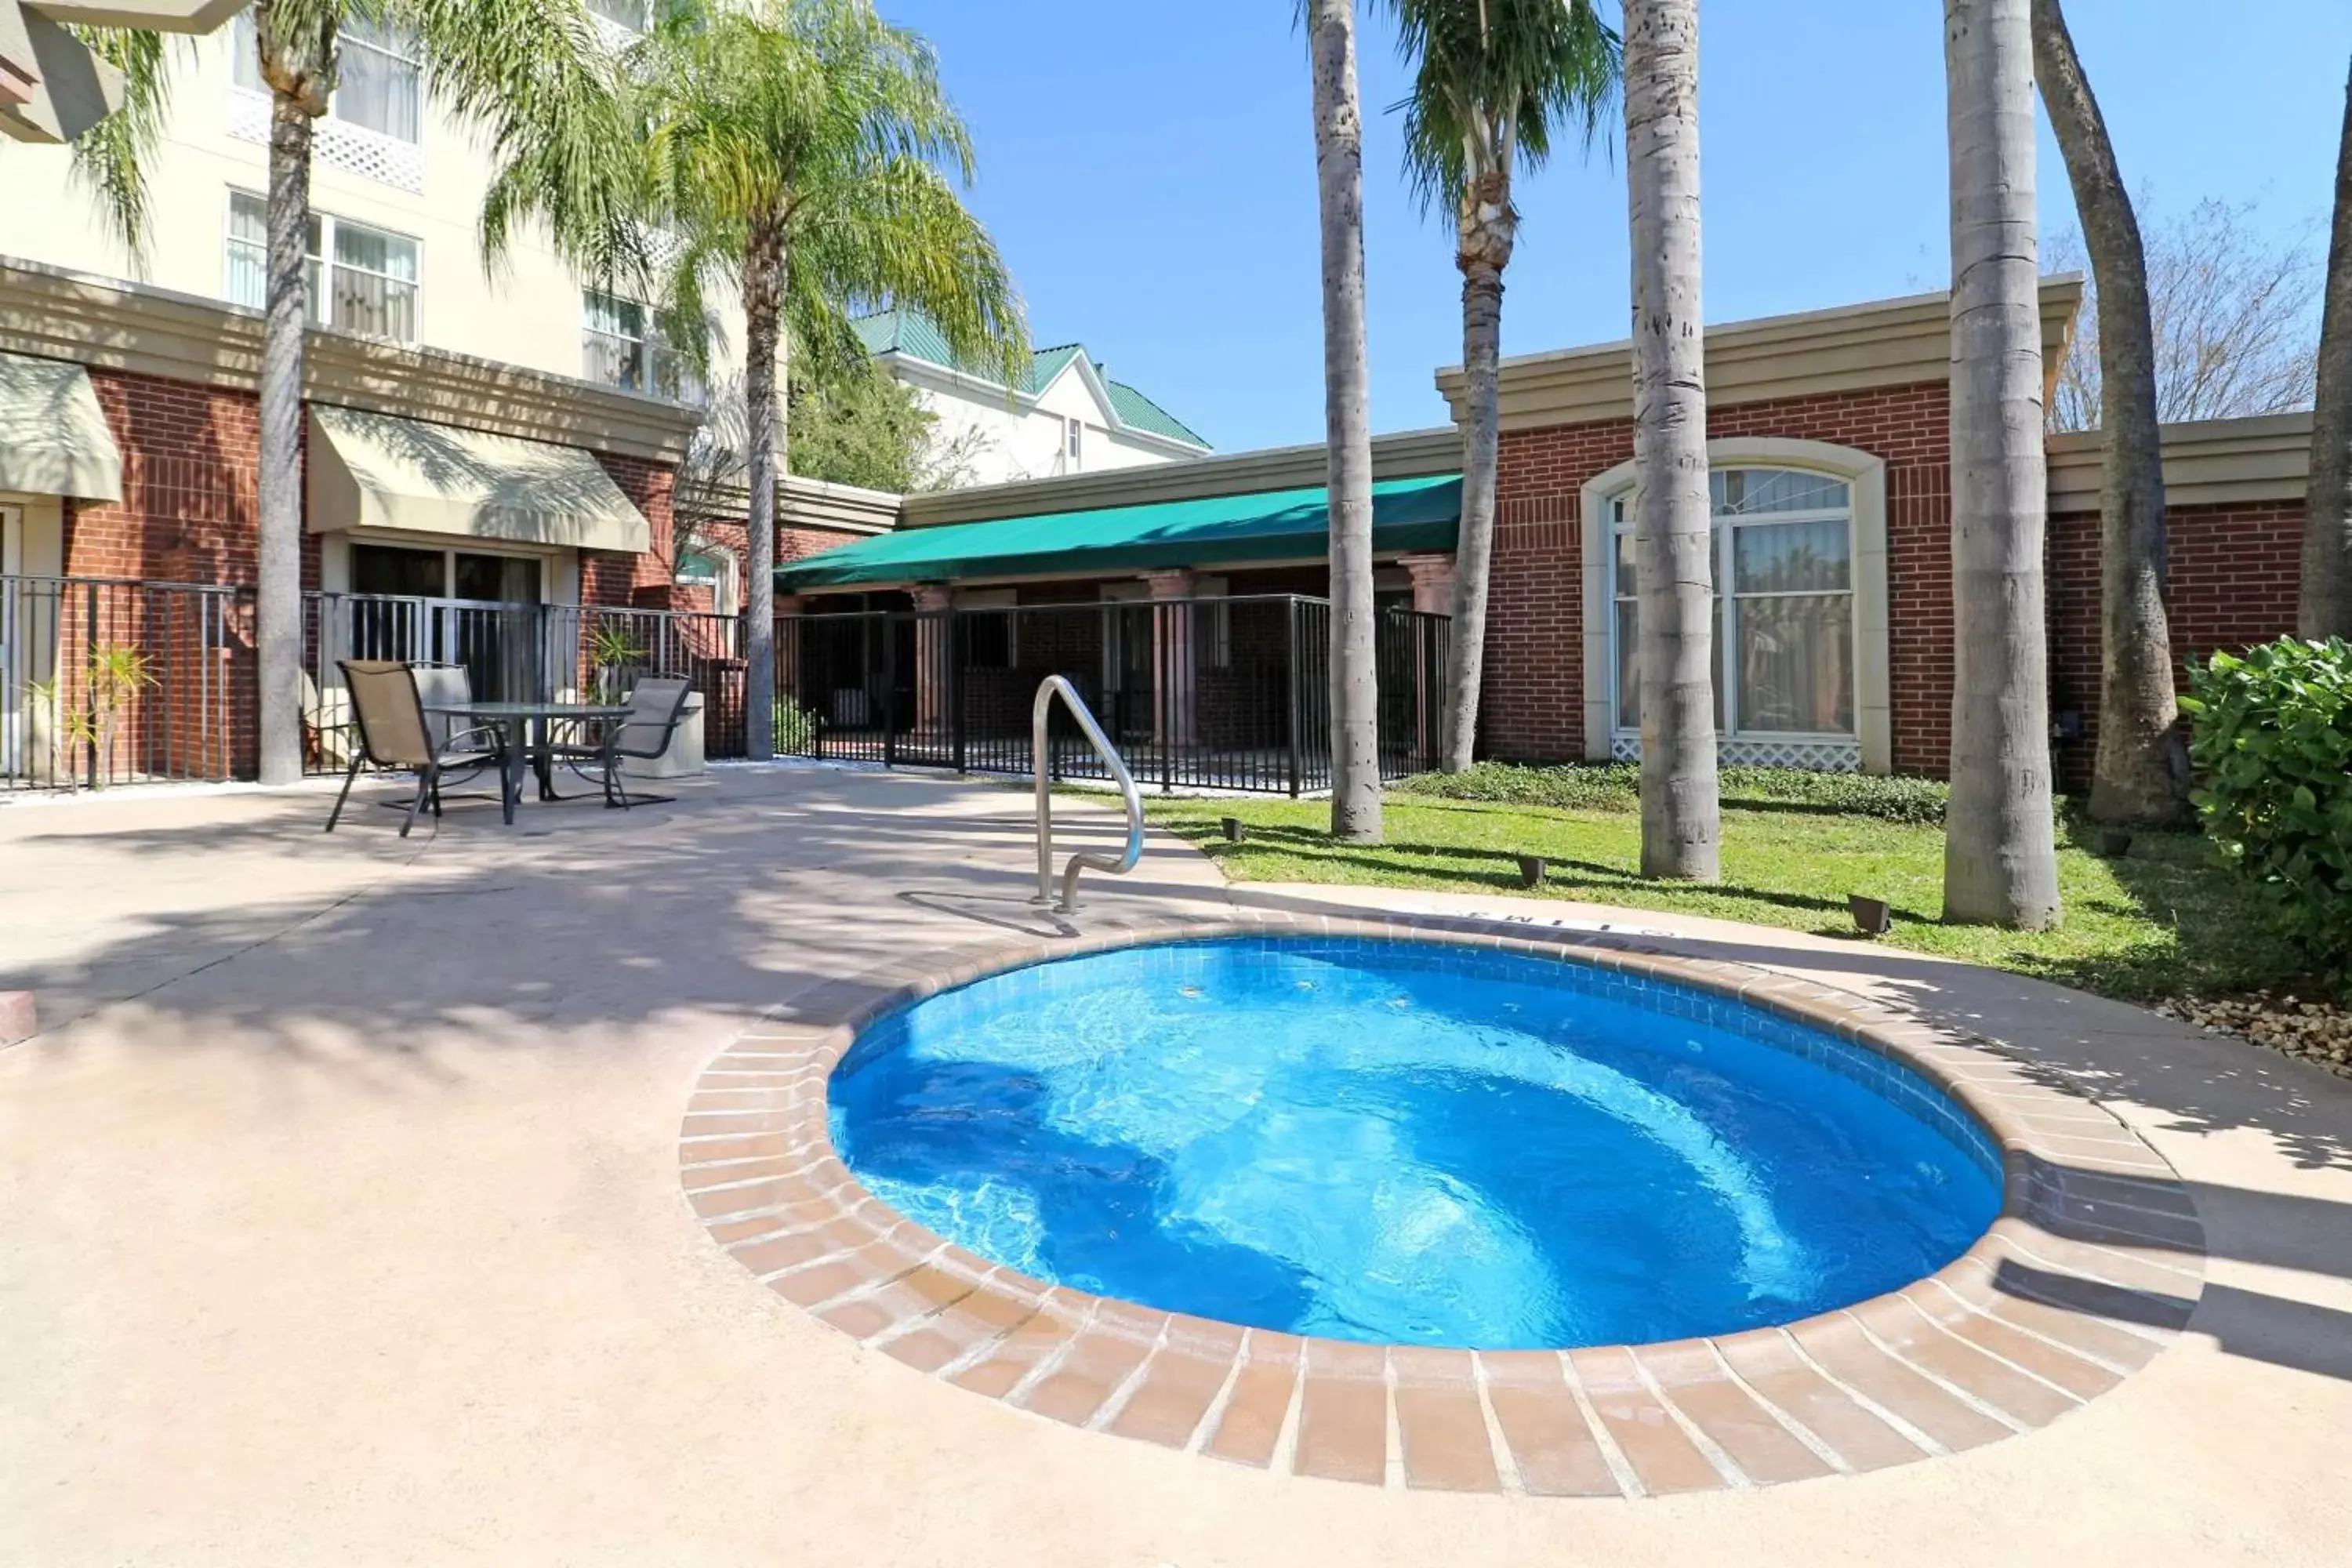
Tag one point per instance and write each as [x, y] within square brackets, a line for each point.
[1149, 170]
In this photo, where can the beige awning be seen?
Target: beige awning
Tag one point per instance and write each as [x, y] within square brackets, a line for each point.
[371, 470]
[53, 439]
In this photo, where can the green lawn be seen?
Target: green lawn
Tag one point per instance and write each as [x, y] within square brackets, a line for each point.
[2163, 921]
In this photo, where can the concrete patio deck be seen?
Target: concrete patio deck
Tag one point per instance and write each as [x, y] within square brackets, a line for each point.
[340, 1223]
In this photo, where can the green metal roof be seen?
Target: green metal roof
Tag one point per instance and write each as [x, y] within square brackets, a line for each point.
[1272, 525]
[915, 335]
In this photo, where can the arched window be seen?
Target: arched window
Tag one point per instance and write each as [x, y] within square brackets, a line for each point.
[712, 568]
[1799, 655]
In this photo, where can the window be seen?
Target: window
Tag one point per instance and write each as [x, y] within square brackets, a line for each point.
[1785, 629]
[712, 569]
[379, 79]
[621, 345]
[1073, 440]
[370, 286]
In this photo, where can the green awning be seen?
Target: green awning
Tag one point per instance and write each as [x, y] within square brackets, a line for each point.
[1273, 525]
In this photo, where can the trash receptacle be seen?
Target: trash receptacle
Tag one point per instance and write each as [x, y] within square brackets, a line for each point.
[682, 758]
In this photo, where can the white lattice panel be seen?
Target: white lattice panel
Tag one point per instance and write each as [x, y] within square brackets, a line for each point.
[337, 142]
[248, 115]
[616, 38]
[1763, 752]
[369, 154]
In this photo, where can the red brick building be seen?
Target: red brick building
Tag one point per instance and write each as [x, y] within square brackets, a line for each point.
[504, 518]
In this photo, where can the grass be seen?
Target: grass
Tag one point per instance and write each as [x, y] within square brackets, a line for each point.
[2164, 920]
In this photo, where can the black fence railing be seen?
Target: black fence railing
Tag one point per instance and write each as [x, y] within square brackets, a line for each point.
[1215, 694]
[517, 653]
[111, 680]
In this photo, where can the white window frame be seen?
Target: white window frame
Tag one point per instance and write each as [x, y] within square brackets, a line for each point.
[1073, 439]
[323, 263]
[1871, 747]
[726, 597]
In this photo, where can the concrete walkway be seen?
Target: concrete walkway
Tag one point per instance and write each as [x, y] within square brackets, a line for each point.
[340, 1224]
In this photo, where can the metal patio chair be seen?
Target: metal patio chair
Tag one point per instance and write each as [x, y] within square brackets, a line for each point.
[657, 703]
[388, 702]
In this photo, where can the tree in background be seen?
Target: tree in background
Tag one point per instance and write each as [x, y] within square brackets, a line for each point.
[792, 151]
[2234, 317]
[2001, 861]
[1494, 80]
[528, 75]
[2141, 772]
[1346, 401]
[1673, 538]
[2326, 610]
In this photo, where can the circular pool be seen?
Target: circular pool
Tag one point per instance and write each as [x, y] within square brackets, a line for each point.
[1409, 1142]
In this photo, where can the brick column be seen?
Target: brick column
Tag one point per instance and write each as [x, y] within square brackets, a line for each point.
[1433, 582]
[934, 646]
[1173, 712]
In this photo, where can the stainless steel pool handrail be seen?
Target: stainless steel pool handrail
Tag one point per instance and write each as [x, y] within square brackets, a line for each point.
[1041, 768]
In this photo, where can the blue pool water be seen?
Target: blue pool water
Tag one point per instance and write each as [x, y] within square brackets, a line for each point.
[1409, 1143]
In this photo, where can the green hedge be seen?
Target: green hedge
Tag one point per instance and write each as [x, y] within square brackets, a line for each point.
[1616, 786]
[2272, 742]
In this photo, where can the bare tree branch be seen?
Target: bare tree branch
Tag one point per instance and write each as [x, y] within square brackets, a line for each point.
[2236, 316]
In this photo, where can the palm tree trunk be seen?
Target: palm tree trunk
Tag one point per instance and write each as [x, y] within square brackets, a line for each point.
[2000, 863]
[763, 312]
[2326, 610]
[277, 583]
[1490, 228]
[1674, 533]
[2141, 774]
[1340, 179]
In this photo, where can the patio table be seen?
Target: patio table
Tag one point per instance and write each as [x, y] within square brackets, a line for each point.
[523, 726]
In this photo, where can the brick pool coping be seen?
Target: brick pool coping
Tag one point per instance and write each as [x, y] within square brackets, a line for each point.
[2093, 1267]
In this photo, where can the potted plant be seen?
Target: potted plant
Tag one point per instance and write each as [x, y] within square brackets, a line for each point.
[611, 656]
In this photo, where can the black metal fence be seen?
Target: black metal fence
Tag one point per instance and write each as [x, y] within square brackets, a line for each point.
[517, 653]
[1224, 694]
[111, 680]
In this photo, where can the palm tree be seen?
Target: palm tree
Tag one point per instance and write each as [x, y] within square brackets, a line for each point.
[1496, 79]
[1674, 540]
[1347, 403]
[792, 151]
[2326, 610]
[2001, 864]
[2141, 774]
[531, 74]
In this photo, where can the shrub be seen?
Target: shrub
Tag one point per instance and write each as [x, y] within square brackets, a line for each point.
[1616, 786]
[796, 729]
[2272, 742]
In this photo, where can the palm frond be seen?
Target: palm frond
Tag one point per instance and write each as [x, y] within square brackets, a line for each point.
[1494, 81]
[110, 159]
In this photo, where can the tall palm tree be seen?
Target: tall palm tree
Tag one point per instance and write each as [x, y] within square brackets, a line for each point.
[2141, 774]
[2001, 864]
[792, 151]
[2326, 609]
[1495, 79]
[1674, 540]
[1348, 421]
[529, 74]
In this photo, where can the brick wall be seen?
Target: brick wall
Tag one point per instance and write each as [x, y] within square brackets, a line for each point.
[2233, 576]
[2234, 571]
[1532, 705]
[612, 579]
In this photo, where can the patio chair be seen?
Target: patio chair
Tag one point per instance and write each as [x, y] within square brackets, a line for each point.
[394, 731]
[656, 705]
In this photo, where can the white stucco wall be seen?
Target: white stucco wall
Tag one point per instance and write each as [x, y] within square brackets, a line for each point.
[529, 314]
